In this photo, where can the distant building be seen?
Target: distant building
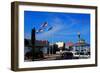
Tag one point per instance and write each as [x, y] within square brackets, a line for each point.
[82, 48]
[69, 46]
[53, 48]
[60, 44]
[37, 47]
[42, 45]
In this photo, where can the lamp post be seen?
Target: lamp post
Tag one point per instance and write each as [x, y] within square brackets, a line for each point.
[78, 36]
[79, 42]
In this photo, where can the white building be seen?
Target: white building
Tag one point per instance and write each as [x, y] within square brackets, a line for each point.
[60, 44]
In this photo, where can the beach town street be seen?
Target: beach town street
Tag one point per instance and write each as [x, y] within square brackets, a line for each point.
[43, 50]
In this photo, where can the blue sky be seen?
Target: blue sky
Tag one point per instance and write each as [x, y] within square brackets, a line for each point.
[65, 26]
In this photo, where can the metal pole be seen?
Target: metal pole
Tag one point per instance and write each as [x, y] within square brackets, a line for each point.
[79, 43]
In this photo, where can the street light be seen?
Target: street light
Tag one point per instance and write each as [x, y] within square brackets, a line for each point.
[79, 42]
[78, 36]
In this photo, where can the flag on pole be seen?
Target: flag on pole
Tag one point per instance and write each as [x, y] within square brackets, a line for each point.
[44, 24]
[40, 30]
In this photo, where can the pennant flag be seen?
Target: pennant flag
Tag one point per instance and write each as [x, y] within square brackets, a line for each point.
[44, 24]
[42, 27]
[50, 28]
[40, 30]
